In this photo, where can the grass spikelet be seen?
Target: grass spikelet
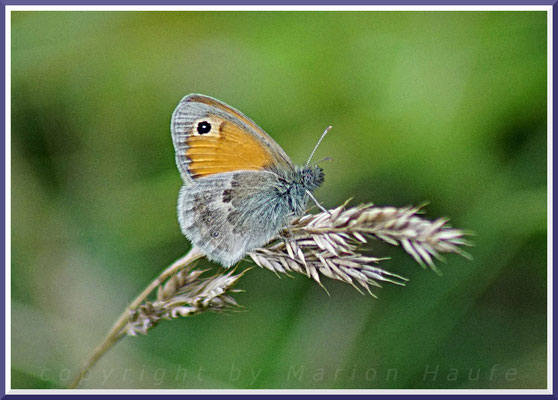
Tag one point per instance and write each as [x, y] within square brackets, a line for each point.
[328, 243]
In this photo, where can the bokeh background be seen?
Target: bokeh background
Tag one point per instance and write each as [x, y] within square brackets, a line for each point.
[444, 107]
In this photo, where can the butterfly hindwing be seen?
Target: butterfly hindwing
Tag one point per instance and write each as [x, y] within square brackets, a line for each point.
[229, 214]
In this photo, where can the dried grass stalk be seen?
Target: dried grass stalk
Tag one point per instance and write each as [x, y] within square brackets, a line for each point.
[184, 294]
[328, 243]
[325, 244]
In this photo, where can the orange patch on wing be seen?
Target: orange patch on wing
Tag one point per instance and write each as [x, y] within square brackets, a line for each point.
[232, 149]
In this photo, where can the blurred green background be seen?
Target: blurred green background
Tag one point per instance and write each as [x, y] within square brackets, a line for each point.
[445, 107]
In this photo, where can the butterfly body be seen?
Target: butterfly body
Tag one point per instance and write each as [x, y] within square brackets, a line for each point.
[240, 188]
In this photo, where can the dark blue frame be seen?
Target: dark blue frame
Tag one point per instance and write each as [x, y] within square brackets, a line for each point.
[3, 5]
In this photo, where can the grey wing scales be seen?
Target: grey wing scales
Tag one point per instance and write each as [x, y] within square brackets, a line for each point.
[229, 214]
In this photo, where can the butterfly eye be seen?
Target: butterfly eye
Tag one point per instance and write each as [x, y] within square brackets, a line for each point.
[204, 127]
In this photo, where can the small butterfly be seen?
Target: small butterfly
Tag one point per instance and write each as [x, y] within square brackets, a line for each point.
[240, 187]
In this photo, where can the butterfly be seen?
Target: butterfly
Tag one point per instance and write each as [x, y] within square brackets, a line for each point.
[240, 187]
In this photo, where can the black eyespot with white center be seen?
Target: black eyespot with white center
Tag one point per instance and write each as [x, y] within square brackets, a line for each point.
[204, 127]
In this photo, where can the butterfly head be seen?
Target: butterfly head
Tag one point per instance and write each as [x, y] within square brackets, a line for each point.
[297, 189]
[310, 177]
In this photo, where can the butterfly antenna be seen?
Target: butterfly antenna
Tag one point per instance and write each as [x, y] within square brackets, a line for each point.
[323, 159]
[317, 203]
[317, 144]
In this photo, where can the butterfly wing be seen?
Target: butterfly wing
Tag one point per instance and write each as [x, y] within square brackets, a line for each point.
[211, 137]
[231, 213]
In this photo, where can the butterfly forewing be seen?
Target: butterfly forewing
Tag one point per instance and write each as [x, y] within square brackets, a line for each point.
[211, 137]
